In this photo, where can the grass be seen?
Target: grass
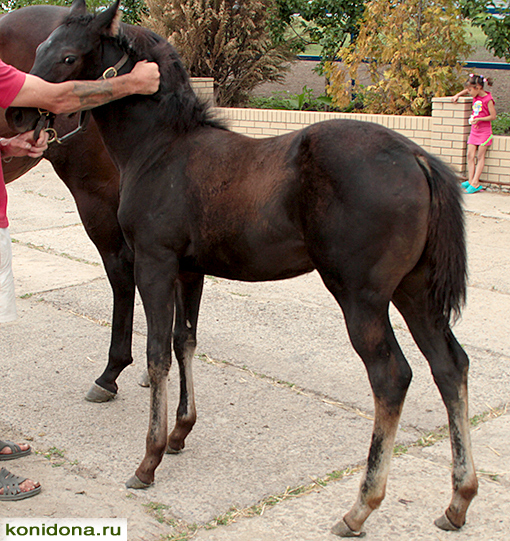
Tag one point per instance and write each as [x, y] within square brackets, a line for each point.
[55, 456]
[47, 250]
[270, 501]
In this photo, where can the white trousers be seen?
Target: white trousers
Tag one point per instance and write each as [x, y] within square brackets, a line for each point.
[7, 296]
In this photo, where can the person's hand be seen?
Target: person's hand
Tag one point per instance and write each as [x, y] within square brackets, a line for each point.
[24, 145]
[145, 76]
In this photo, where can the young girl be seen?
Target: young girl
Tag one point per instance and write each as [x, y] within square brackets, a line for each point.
[484, 111]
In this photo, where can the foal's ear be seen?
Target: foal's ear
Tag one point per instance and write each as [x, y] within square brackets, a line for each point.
[78, 7]
[108, 21]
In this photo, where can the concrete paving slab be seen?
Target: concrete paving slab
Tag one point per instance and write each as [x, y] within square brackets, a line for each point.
[409, 508]
[40, 201]
[489, 253]
[36, 271]
[251, 337]
[253, 438]
[488, 203]
[64, 242]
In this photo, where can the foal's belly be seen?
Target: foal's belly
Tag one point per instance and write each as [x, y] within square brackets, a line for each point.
[251, 261]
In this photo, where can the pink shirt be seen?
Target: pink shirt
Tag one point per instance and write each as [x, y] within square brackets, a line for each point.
[11, 81]
[481, 132]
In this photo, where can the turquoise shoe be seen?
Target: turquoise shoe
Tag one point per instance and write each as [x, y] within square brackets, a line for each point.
[465, 184]
[472, 189]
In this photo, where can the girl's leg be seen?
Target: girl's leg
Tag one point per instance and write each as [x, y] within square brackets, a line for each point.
[475, 180]
[471, 154]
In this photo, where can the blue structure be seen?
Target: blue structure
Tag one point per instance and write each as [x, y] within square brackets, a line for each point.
[474, 64]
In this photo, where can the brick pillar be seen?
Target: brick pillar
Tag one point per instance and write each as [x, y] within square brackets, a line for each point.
[204, 88]
[450, 130]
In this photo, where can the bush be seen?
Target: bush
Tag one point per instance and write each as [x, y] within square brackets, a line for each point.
[306, 101]
[224, 39]
[501, 126]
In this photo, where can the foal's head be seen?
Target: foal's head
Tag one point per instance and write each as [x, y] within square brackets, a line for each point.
[86, 45]
[75, 50]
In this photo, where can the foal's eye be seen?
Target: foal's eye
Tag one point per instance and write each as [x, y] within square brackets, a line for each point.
[69, 60]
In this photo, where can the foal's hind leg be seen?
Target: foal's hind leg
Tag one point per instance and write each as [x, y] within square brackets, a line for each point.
[449, 364]
[187, 303]
[390, 375]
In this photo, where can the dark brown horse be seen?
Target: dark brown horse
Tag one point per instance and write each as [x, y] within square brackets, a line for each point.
[378, 217]
[83, 163]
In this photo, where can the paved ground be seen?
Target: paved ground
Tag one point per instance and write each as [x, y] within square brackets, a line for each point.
[283, 401]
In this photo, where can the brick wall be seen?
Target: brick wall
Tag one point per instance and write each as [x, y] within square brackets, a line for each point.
[445, 133]
[268, 122]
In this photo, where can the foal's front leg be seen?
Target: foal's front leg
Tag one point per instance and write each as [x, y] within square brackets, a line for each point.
[155, 278]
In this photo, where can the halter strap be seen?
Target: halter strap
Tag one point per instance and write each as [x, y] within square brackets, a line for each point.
[113, 71]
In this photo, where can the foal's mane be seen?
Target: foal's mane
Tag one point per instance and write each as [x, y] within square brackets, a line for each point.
[182, 110]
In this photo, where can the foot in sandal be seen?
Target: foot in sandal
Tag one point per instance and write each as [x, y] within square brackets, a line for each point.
[14, 488]
[10, 450]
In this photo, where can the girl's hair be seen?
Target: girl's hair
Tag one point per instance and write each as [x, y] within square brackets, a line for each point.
[479, 80]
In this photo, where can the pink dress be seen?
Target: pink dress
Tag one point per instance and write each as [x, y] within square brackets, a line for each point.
[481, 132]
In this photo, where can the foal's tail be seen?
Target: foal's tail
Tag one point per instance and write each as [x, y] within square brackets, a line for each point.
[445, 251]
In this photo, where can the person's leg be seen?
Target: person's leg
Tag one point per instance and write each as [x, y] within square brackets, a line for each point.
[471, 155]
[475, 179]
[7, 296]
[11, 487]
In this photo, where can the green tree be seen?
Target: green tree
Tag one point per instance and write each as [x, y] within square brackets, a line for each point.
[132, 9]
[412, 52]
[494, 23]
[327, 23]
[228, 40]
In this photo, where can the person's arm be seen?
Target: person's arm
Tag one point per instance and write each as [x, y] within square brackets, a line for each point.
[72, 96]
[459, 94]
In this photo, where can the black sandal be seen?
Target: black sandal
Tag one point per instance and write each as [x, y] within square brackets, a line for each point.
[10, 483]
[16, 451]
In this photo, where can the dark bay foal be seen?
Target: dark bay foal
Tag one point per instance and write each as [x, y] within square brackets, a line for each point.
[373, 213]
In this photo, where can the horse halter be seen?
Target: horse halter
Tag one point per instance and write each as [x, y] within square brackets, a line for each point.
[46, 117]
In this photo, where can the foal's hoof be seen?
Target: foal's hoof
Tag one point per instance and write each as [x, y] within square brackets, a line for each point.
[99, 394]
[134, 482]
[342, 530]
[444, 523]
[170, 451]
[144, 380]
